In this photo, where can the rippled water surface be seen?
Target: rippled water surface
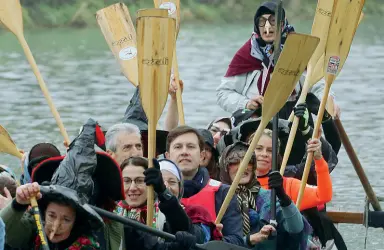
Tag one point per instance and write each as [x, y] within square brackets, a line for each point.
[85, 81]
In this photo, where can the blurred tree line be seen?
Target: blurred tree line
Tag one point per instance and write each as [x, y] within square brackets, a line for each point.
[80, 13]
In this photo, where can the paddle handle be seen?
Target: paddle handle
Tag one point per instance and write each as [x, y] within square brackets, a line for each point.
[151, 155]
[179, 100]
[329, 80]
[296, 120]
[289, 145]
[39, 224]
[243, 166]
[358, 167]
[43, 86]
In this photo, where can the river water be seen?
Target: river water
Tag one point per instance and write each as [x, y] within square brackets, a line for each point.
[85, 81]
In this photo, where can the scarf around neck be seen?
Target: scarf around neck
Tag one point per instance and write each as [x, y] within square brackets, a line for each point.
[83, 242]
[246, 198]
[192, 187]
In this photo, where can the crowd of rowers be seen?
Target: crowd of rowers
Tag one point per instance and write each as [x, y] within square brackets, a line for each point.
[191, 175]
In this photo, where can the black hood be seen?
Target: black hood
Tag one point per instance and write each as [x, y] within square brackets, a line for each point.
[265, 8]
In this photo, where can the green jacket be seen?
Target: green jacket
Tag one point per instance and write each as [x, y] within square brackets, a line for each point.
[20, 227]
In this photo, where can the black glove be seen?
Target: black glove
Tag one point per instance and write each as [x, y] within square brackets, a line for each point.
[154, 177]
[275, 181]
[301, 111]
[185, 240]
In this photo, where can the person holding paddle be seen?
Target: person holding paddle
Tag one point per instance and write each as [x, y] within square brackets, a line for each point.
[255, 206]
[68, 223]
[185, 147]
[249, 72]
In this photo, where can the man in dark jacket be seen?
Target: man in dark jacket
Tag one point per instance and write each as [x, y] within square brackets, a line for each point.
[184, 147]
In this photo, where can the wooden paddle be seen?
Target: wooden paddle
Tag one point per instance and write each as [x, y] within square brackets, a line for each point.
[12, 19]
[173, 7]
[211, 245]
[342, 29]
[355, 160]
[118, 30]
[40, 229]
[7, 145]
[320, 28]
[297, 51]
[155, 44]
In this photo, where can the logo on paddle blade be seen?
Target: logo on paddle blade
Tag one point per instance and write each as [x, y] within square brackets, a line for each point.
[152, 62]
[171, 7]
[127, 53]
[125, 39]
[288, 72]
[333, 65]
[325, 12]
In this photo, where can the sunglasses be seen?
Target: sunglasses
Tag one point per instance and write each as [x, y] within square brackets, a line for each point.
[271, 19]
[215, 130]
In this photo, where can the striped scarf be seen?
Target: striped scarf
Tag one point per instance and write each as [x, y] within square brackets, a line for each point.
[246, 200]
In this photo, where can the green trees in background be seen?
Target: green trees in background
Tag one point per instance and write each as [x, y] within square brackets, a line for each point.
[80, 13]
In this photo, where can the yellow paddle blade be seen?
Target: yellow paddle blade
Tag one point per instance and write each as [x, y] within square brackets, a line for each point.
[173, 7]
[341, 33]
[155, 43]
[297, 51]
[11, 16]
[119, 32]
[7, 145]
[320, 28]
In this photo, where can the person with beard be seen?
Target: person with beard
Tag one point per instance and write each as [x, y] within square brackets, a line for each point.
[249, 72]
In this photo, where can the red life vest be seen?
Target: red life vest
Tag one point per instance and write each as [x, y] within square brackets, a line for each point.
[205, 198]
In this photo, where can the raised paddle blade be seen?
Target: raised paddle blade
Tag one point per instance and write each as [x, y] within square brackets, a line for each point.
[173, 7]
[155, 43]
[293, 59]
[11, 16]
[119, 32]
[7, 145]
[297, 51]
[152, 12]
[341, 33]
[320, 29]
[155, 51]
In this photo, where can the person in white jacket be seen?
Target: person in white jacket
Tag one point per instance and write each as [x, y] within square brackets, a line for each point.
[248, 74]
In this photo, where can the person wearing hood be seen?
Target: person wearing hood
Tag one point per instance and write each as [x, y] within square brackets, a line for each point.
[249, 72]
[219, 127]
[67, 222]
[255, 205]
[210, 158]
[37, 154]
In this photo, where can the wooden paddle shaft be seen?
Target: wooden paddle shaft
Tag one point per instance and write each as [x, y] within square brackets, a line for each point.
[43, 86]
[304, 179]
[243, 166]
[346, 217]
[180, 107]
[295, 124]
[39, 224]
[358, 168]
[151, 155]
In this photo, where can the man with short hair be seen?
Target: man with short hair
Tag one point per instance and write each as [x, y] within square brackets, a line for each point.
[185, 147]
[123, 140]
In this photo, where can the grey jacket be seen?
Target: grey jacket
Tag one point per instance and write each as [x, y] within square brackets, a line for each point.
[234, 92]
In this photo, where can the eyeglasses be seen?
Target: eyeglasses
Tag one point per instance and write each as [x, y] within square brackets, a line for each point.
[139, 181]
[271, 19]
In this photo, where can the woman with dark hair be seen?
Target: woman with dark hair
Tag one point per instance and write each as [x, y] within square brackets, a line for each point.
[67, 223]
[169, 215]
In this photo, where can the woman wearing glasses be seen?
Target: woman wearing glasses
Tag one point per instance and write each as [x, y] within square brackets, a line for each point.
[248, 74]
[168, 213]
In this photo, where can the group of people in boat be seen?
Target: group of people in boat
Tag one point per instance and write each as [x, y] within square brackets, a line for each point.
[190, 177]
